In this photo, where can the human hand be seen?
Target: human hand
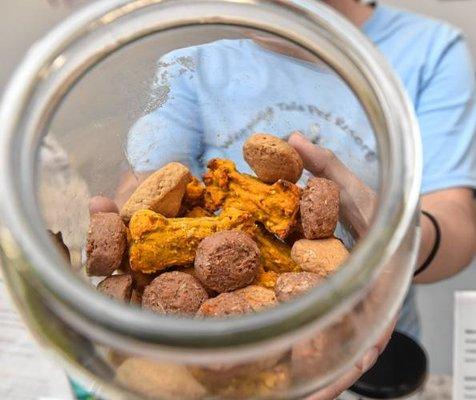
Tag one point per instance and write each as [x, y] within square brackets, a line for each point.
[357, 200]
[357, 205]
[366, 363]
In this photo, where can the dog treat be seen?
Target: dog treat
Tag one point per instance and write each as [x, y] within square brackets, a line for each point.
[225, 304]
[227, 261]
[117, 287]
[158, 380]
[197, 212]
[272, 159]
[174, 293]
[266, 279]
[158, 242]
[275, 206]
[314, 358]
[265, 383]
[161, 192]
[194, 194]
[106, 244]
[275, 254]
[217, 376]
[321, 257]
[258, 297]
[293, 284]
[320, 208]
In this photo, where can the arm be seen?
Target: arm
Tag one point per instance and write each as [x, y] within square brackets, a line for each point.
[455, 211]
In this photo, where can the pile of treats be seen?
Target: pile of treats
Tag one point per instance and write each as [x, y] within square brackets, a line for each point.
[230, 245]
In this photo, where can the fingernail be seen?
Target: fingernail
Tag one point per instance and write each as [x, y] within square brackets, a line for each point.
[370, 358]
[297, 133]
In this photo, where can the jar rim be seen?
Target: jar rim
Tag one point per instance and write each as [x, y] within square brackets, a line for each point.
[399, 181]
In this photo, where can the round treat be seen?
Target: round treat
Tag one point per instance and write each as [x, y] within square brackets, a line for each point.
[272, 159]
[117, 287]
[293, 284]
[321, 257]
[315, 357]
[158, 380]
[227, 261]
[106, 244]
[224, 305]
[258, 297]
[174, 293]
[319, 208]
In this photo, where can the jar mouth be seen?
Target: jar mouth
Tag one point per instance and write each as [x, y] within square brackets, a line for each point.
[44, 78]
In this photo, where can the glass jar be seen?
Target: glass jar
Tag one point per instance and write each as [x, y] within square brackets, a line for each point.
[71, 108]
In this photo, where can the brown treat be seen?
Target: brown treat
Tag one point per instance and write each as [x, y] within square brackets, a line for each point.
[224, 305]
[158, 380]
[106, 244]
[117, 287]
[258, 297]
[293, 284]
[161, 192]
[174, 293]
[158, 242]
[227, 261]
[140, 280]
[320, 208]
[275, 206]
[315, 358]
[272, 159]
[321, 257]
[102, 204]
[191, 271]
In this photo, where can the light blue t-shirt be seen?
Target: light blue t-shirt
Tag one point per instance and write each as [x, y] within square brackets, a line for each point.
[207, 99]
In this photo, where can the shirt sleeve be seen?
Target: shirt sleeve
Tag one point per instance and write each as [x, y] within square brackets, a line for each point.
[446, 111]
[171, 130]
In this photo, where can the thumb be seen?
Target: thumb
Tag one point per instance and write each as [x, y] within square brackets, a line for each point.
[358, 201]
[317, 160]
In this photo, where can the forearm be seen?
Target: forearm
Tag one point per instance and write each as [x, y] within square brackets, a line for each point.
[457, 221]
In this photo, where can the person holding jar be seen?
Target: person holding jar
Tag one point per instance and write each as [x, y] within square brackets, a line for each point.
[205, 98]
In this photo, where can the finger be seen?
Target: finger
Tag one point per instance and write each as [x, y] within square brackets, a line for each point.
[358, 201]
[366, 363]
[342, 384]
[316, 159]
[99, 204]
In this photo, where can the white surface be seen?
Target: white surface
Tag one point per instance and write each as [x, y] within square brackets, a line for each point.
[435, 303]
[25, 371]
[464, 355]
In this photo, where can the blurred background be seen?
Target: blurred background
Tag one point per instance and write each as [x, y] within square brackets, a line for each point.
[26, 20]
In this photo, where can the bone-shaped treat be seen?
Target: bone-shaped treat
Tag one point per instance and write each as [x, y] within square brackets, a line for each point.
[157, 242]
[275, 255]
[275, 206]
